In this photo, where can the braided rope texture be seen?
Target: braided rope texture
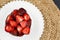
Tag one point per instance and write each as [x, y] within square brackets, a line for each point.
[51, 16]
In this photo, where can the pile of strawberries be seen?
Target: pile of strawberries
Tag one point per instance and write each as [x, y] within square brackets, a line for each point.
[18, 23]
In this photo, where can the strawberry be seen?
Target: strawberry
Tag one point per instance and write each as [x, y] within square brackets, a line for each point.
[19, 29]
[26, 17]
[13, 23]
[19, 18]
[20, 34]
[8, 28]
[22, 11]
[26, 30]
[15, 12]
[14, 32]
[9, 18]
[29, 23]
[23, 24]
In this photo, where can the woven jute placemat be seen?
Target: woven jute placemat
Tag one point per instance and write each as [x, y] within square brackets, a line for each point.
[51, 16]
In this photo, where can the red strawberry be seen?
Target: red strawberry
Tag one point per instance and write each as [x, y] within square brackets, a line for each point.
[8, 28]
[26, 30]
[20, 34]
[19, 18]
[14, 32]
[15, 12]
[9, 18]
[23, 24]
[22, 11]
[19, 29]
[13, 23]
[29, 24]
[26, 17]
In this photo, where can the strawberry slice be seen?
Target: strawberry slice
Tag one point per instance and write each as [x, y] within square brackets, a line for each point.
[13, 23]
[19, 29]
[26, 30]
[23, 24]
[8, 28]
[26, 17]
[19, 18]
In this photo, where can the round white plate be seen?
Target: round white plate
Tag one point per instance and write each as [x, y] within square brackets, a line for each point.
[36, 16]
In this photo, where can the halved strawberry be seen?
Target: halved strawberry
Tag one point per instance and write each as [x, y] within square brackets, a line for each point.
[19, 29]
[9, 18]
[14, 32]
[15, 12]
[26, 17]
[19, 18]
[8, 28]
[22, 11]
[23, 24]
[20, 34]
[29, 23]
[26, 30]
[13, 23]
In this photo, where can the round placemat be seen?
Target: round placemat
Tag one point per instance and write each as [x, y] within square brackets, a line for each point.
[51, 16]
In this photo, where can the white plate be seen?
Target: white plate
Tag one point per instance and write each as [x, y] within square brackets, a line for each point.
[36, 16]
